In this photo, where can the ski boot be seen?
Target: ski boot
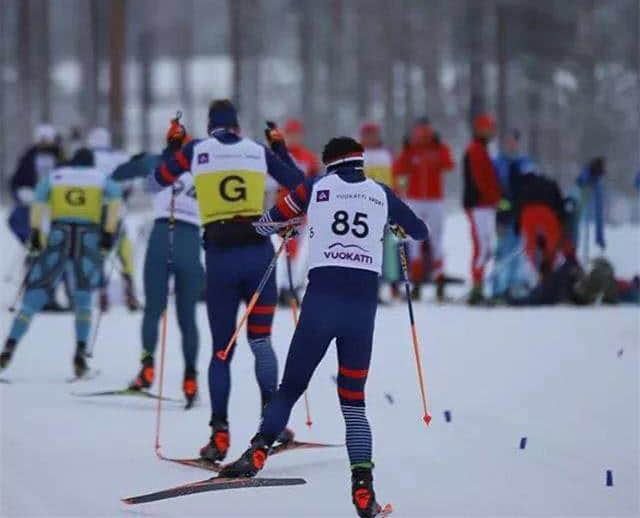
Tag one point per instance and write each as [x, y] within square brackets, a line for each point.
[285, 298]
[144, 380]
[440, 284]
[476, 296]
[7, 353]
[285, 436]
[104, 300]
[80, 365]
[363, 495]
[250, 462]
[218, 446]
[416, 291]
[130, 293]
[190, 387]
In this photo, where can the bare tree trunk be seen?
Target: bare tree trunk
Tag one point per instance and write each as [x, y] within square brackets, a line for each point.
[588, 146]
[146, 93]
[235, 48]
[334, 66]
[88, 43]
[116, 64]
[477, 89]
[43, 60]
[185, 54]
[307, 38]
[503, 66]
[390, 14]
[25, 79]
[363, 71]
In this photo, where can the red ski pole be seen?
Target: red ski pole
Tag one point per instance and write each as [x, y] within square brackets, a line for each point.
[294, 309]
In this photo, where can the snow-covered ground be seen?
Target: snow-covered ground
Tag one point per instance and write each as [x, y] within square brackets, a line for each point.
[565, 378]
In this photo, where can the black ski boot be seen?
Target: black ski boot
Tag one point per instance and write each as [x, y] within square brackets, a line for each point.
[80, 365]
[250, 462]
[476, 296]
[7, 353]
[130, 293]
[363, 495]
[416, 292]
[190, 386]
[218, 446]
[440, 284]
[104, 300]
[144, 380]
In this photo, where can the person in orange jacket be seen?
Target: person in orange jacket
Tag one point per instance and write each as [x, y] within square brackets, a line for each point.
[306, 160]
[419, 175]
[481, 196]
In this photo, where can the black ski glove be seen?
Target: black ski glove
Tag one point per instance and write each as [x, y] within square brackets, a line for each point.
[34, 244]
[106, 241]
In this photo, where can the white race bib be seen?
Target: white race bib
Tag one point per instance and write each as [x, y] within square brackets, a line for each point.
[185, 205]
[346, 224]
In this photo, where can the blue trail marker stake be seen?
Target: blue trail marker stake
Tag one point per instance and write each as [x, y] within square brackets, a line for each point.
[609, 478]
[523, 443]
[447, 416]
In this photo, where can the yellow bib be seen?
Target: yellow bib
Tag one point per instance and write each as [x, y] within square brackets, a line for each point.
[225, 194]
[76, 202]
[380, 174]
[76, 194]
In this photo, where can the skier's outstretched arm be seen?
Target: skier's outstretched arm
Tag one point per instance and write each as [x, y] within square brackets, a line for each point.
[400, 214]
[293, 205]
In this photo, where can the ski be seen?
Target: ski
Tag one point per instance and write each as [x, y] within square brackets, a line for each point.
[212, 484]
[124, 392]
[89, 375]
[5, 381]
[384, 511]
[201, 463]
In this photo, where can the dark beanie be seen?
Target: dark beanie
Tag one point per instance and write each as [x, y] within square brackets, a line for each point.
[82, 158]
[222, 114]
[343, 152]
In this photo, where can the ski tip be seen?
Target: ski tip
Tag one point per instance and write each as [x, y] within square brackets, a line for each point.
[126, 500]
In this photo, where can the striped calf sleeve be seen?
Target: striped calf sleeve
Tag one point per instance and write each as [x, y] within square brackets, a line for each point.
[358, 434]
[266, 366]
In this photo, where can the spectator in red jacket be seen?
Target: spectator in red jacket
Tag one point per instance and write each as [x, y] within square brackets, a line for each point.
[419, 175]
[481, 196]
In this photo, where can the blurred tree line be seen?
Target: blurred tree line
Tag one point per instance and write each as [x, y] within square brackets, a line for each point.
[564, 73]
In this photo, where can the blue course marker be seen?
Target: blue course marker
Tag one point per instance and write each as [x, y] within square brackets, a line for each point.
[609, 478]
[523, 443]
[389, 398]
[447, 416]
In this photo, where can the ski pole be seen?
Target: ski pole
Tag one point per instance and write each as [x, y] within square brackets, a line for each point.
[295, 304]
[414, 334]
[22, 287]
[163, 339]
[163, 346]
[224, 353]
[111, 257]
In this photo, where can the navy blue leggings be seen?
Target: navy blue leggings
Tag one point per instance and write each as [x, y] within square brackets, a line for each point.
[339, 303]
[233, 274]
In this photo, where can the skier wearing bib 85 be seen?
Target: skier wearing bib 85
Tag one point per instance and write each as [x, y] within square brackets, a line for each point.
[230, 174]
[347, 214]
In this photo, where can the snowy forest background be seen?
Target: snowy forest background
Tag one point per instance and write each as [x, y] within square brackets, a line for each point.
[565, 73]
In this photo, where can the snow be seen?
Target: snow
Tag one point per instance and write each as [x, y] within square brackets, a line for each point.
[553, 375]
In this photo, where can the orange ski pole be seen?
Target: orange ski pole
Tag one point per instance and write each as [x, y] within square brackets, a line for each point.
[414, 335]
[224, 353]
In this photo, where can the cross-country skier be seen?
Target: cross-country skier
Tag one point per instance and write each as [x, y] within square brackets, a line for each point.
[347, 215]
[76, 193]
[107, 159]
[480, 199]
[173, 249]
[230, 174]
